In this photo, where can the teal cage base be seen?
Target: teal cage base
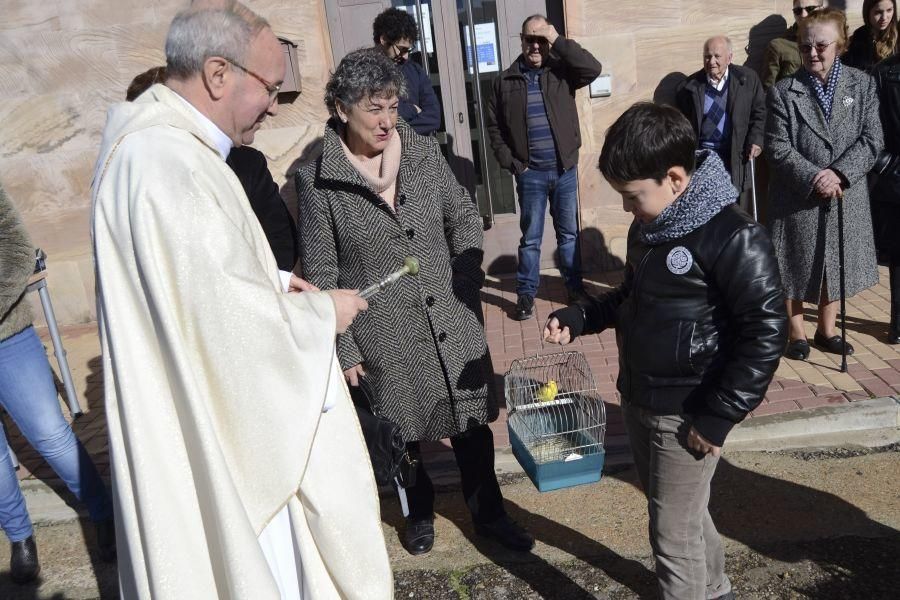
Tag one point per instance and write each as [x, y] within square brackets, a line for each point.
[558, 474]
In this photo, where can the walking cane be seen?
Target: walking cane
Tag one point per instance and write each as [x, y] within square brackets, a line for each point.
[840, 201]
[753, 186]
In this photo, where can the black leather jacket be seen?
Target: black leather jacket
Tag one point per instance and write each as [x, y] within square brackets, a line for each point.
[706, 342]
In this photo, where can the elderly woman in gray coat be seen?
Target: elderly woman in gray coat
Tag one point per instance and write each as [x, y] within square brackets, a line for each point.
[379, 193]
[822, 137]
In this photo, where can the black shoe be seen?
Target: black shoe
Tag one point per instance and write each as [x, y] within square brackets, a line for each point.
[797, 350]
[508, 533]
[524, 307]
[106, 539]
[419, 535]
[23, 564]
[834, 344]
[893, 336]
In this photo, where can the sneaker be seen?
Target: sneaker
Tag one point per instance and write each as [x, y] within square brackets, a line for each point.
[524, 308]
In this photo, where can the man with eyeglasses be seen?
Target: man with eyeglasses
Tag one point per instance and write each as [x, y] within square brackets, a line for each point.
[782, 58]
[225, 402]
[395, 32]
[533, 124]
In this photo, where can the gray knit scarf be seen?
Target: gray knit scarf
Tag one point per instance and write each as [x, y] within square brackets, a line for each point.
[709, 191]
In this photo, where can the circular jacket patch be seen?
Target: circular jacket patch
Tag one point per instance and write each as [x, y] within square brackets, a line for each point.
[679, 261]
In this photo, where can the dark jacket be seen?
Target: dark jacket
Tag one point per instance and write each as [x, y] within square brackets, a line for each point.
[887, 76]
[571, 68]
[781, 59]
[705, 343]
[746, 109]
[249, 164]
[861, 50]
[422, 340]
[419, 93]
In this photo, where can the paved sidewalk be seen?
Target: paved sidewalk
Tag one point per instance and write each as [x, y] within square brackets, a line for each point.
[874, 371]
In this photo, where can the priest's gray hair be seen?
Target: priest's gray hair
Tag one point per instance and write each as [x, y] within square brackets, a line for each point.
[364, 73]
[224, 28]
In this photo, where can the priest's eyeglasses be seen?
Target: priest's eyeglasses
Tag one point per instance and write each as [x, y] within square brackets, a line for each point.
[272, 88]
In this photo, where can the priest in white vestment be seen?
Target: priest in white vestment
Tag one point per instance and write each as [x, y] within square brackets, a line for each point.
[239, 468]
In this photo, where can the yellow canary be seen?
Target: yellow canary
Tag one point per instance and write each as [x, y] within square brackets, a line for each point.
[547, 392]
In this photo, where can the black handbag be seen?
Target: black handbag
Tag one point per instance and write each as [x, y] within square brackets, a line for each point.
[887, 183]
[391, 462]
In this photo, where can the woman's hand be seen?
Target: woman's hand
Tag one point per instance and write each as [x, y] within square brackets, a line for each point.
[353, 375]
[827, 184]
[554, 335]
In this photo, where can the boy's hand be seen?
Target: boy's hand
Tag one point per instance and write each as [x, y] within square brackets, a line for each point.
[555, 335]
[701, 444]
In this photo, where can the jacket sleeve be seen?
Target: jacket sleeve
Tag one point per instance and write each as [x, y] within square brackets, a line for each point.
[462, 223]
[771, 66]
[318, 255]
[789, 165]
[16, 256]
[581, 66]
[858, 159]
[598, 313]
[428, 120]
[496, 127]
[746, 273]
[756, 132]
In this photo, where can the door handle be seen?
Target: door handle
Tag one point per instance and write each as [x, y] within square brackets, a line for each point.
[460, 117]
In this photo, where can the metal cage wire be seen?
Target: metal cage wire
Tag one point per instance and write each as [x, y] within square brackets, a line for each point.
[567, 422]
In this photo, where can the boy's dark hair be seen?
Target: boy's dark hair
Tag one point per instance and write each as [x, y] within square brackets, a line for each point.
[645, 142]
[395, 24]
[143, 81]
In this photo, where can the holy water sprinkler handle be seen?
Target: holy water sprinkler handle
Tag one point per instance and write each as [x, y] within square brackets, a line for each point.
[410, 267]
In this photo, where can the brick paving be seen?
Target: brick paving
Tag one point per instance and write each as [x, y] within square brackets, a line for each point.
[874, 371]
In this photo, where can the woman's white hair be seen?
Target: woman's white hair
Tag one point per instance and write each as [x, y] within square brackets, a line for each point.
[210, 28]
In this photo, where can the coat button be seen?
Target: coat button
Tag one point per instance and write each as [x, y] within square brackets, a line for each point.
[410, 233]
[401, 199]
[442, 336]
[429, 300]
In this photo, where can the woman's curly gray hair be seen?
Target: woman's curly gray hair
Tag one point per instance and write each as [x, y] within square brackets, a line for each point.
[364, 73]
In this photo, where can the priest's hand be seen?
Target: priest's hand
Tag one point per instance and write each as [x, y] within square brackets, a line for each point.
[347, 304]
[353, 375]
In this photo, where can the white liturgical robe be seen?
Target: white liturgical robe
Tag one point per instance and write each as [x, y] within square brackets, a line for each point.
[215, 382]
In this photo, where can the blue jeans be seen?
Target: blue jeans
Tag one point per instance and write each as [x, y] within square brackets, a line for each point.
[28, 394]
[534, 188]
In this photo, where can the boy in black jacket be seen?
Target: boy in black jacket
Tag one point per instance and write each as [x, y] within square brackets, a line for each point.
[700, 323]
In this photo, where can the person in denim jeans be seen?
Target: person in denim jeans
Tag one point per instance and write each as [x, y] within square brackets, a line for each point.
[532, 121]
[28, 395]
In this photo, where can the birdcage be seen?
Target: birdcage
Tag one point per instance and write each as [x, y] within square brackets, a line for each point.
[556, 420]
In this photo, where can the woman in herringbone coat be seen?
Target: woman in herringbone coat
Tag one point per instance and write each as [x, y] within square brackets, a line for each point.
[379, 193]
[822, 137]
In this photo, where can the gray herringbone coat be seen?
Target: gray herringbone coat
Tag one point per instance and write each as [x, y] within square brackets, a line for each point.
[422, 340]
[799, 144]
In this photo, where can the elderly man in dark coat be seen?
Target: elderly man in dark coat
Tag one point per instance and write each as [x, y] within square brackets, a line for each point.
[727, 107]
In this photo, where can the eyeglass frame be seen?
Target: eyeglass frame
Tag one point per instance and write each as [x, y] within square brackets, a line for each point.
[401, 50]
[534, 39]
[807, 9]
[820, 47]
[272, 88]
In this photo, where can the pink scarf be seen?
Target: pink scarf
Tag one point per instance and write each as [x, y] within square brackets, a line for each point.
[386, 164]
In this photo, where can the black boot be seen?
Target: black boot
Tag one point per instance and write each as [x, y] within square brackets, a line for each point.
[106, 539]
[23, 564]
[419, 535]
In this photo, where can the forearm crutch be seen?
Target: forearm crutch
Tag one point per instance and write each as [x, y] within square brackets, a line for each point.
[65, 374]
